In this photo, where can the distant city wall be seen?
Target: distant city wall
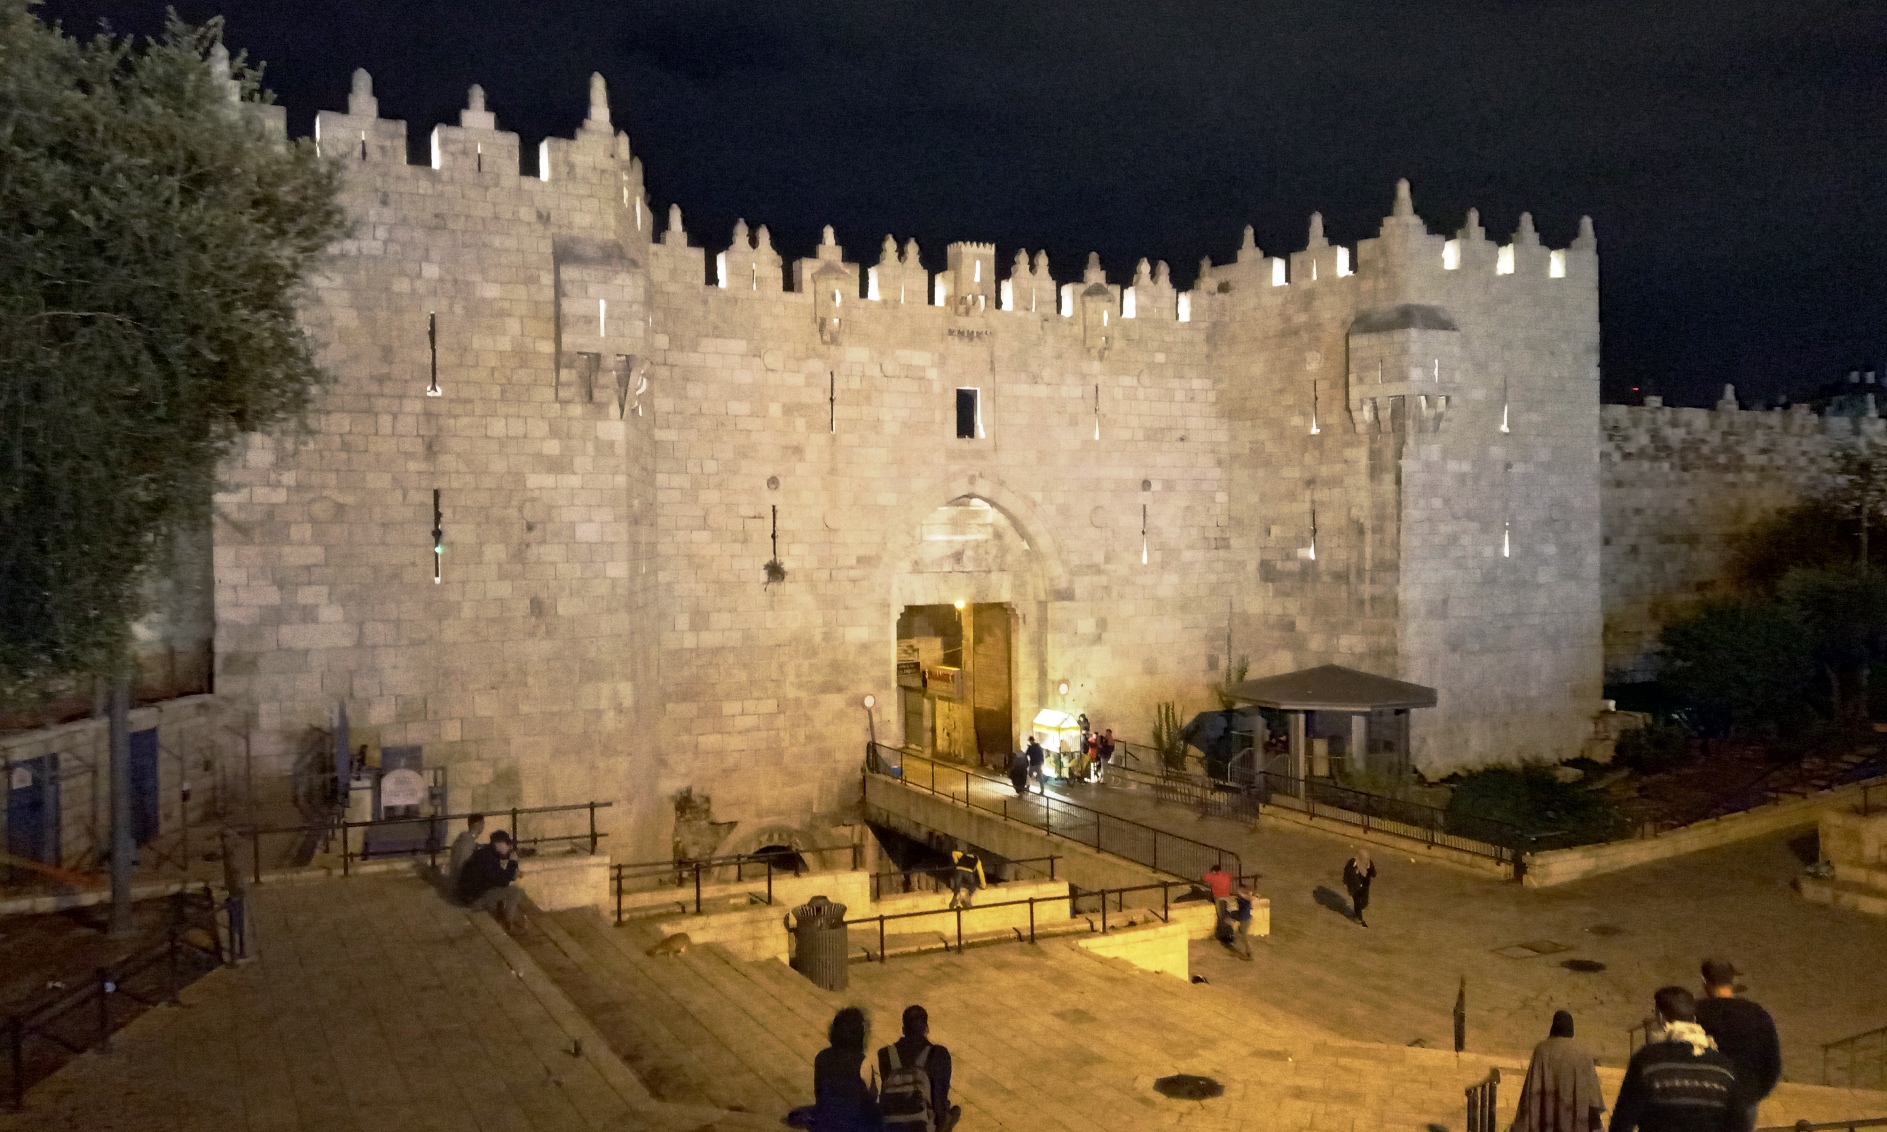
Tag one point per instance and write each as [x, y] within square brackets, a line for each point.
[1680, 488]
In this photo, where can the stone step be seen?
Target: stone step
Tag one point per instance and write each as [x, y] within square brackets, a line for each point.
[714, 1068]
[635, 1033]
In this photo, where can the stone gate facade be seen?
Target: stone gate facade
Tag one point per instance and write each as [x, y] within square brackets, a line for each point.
[532, 523]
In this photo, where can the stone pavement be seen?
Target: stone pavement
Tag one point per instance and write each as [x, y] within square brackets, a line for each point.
[374, 1007]
[1818, 970]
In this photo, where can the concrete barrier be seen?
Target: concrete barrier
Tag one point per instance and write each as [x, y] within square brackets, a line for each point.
[557, 881]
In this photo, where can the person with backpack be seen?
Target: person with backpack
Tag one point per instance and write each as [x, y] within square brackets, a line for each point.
[966, 876]
[915, 1076]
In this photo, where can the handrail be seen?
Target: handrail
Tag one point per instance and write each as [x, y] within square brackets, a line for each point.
[255, 834]
[739, 861]
[1849, 1125]
[877, 763]
[945, 870]
[34, 1019]
[1850, 1045]
[1484, 1102]
[1073, 898]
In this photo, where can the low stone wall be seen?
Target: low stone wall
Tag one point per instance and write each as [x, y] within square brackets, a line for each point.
[759, 931]
[558, 881]
[1159, 948]
[1345, 825]
[1559, 866]
[1856, 845]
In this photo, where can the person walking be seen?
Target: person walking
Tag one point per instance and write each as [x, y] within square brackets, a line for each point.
[916, 1076]
[1241, 922]
[1104, 754]
[1019, 772]
[1037, 757]
[1561, 1093]
[843, 1101]
[1358, 871]
[462, 847]
[1678, 1081]
[1744, 1033]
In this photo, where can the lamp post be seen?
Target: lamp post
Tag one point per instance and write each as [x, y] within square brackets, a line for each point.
[871, 721]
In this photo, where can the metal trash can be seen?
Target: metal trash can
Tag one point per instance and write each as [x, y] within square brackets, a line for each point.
[820, 943]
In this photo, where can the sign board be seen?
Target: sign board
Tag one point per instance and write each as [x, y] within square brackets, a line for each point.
[940, 680]
[402, 787]
[910, 674]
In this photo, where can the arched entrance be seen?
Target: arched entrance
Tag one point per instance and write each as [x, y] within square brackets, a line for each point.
[968, 600]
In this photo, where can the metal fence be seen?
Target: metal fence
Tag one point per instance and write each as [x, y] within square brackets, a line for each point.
[531, 829]
[1155, 848]
[1858, 1061]
[735, 867]
[79, 1013]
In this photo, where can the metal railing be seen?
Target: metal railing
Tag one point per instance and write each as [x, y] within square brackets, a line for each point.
[938, 873]
[1846, 1125]
[1148, 845]
[741, 863]
[1484, 1103]
[56, 1019]
[436, 830]
[1071, 901]
[1858, 1058]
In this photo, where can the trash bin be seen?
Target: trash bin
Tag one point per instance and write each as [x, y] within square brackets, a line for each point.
[820, 944]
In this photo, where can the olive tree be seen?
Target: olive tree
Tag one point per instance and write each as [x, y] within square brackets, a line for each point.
[155, 236]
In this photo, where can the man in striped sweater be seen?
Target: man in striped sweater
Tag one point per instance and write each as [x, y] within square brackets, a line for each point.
[1678, 1082]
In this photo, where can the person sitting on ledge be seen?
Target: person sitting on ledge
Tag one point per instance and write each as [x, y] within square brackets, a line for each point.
[485, 881]
[916, 1076]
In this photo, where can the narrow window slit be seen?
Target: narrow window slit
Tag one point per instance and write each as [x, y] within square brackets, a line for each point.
[432, 344]
[438, 538]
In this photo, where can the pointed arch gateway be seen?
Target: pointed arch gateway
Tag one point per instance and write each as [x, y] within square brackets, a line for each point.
[973, 574]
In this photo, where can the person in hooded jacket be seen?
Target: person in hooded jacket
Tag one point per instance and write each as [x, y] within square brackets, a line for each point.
[1561, 1093]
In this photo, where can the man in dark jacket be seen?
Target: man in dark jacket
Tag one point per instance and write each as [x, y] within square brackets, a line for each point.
[485, 881]
[1678, 1082]
[1036, 758]
[909, 1048]
[1745, 1034]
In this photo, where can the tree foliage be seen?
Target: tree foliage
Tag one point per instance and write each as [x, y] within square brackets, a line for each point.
[154, 239]
[1747, 663]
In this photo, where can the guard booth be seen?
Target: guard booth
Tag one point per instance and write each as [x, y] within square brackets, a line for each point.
[1338, 719]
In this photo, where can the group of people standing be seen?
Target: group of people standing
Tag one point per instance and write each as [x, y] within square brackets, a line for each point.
[907, 1091]
[1080, 760]
[1705, 1067]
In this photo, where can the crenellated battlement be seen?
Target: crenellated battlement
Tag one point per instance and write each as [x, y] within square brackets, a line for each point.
[1728, 437]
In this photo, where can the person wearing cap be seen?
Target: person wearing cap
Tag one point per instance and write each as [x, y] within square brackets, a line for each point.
[1746, 1034]
[485, 881]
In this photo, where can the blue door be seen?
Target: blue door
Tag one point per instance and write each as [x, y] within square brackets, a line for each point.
[33, 809]
[144, 812]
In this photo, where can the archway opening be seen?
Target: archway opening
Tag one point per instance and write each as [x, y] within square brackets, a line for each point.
[956, 680]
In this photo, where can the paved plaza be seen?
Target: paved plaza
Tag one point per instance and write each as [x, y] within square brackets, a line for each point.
[1815, 968]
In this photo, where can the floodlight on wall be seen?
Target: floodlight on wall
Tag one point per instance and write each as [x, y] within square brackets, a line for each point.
[960, 603]
[871, 701]
[1062, 687]
[1506, 538]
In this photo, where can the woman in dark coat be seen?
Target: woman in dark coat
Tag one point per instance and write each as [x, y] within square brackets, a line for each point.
[842, 1101]
[1561, 1093]
[1357, 873]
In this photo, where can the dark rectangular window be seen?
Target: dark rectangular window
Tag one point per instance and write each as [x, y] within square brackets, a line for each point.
[967, 415]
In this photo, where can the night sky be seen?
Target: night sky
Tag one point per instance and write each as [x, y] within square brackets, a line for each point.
[1732, 153]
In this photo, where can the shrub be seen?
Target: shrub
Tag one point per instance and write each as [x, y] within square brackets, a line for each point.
[1654, 748]
[1550, 813]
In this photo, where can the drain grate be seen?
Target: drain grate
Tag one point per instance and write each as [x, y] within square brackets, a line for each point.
[1584, 966]
[1188, 1087]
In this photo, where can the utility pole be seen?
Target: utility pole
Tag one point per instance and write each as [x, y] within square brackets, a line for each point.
[121, 847]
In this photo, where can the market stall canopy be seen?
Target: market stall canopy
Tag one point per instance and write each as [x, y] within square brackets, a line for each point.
[1332, 687]
[1048, 719]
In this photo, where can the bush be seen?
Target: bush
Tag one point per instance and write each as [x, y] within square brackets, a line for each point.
[1550, 813]
[1655, 748]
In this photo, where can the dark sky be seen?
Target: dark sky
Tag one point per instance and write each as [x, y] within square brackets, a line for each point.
[1732, 153]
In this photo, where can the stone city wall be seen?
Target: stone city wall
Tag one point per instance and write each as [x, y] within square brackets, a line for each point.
[1681, 486]
[613, 431]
